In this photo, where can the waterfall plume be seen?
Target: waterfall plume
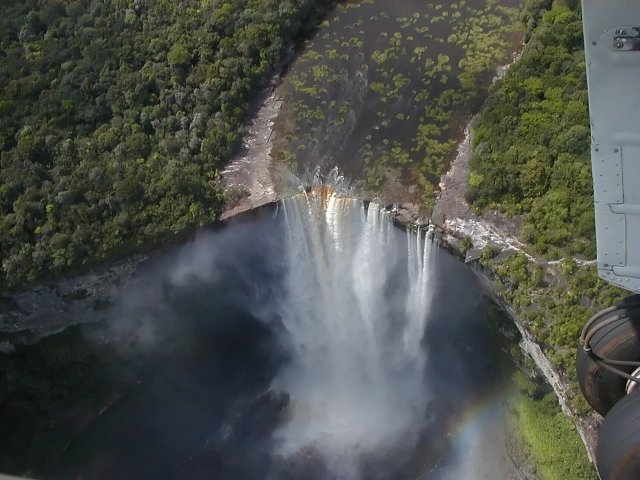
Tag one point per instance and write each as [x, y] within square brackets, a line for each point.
[353, 309]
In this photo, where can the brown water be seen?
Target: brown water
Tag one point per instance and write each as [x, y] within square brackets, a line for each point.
[379, 90]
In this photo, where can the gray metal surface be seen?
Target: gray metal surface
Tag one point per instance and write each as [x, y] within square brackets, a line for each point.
[613, 75]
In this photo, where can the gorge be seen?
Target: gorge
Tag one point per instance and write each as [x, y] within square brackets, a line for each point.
[230, 324]
[314, 338]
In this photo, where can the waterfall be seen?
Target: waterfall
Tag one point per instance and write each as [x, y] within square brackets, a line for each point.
[354, 312]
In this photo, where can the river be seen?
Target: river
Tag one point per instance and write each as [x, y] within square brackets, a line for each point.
[383, 91]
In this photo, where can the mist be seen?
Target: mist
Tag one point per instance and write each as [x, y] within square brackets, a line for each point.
[345, 296]
[354, 314]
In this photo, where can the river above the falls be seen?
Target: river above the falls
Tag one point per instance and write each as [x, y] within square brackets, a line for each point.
[383, 91]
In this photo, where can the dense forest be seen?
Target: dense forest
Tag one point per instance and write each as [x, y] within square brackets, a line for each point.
[531, 144]
[116, 116]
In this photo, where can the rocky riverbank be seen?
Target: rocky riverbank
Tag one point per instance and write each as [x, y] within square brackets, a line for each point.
[250, 179]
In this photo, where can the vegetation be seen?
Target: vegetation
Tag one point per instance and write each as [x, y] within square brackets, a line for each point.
[543, 434]
[554, 301]
[384, 96]
[115, 117]
[531, 145]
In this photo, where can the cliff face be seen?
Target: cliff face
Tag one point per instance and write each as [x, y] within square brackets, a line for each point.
[49, 307]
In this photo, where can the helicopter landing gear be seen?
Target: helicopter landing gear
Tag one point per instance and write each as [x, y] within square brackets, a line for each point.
[608, 366]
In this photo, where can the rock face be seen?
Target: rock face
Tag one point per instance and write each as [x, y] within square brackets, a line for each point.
[249, 178]
[50, 307]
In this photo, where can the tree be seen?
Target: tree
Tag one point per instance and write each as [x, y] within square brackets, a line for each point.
[178, 56]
